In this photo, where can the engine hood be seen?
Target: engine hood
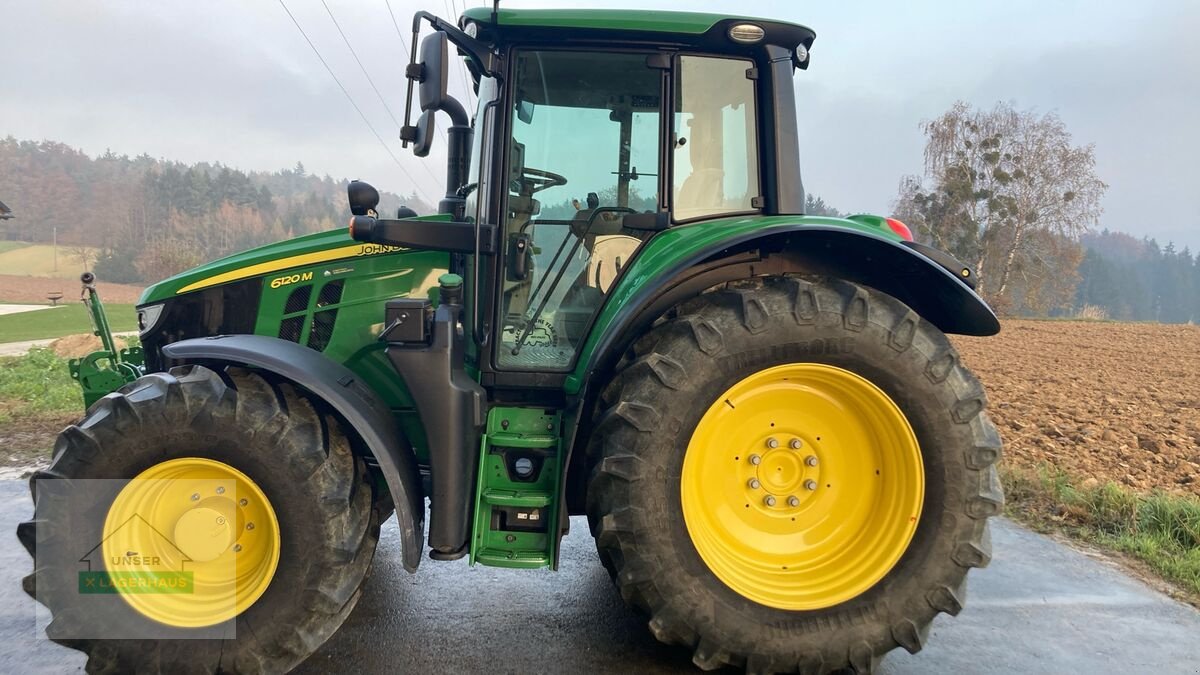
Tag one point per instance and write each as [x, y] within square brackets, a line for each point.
[278, 257]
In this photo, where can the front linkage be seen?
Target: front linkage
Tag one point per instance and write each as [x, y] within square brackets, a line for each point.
[105, 370]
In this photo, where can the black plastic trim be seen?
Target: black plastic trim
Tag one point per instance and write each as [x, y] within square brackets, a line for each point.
[950, 263]
[779, 145]
[355, 403]
[452, 236]
[451, 406]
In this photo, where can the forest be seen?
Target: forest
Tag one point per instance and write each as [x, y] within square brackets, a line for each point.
[1133, 279]
[143, 218]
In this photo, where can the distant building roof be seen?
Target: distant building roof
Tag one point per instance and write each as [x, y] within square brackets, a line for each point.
[5, 212]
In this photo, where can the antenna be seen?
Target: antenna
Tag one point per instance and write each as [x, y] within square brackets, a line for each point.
[495, 9]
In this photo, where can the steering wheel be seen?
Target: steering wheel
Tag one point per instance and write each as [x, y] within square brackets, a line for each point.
[539, 179]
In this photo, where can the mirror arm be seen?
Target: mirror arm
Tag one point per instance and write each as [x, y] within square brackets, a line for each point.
[485, 60]
[458, 114]
[413, 73]
[478, 51]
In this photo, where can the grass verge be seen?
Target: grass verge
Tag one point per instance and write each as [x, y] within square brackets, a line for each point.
[36, 383]
[37, 399]
[69, 319]
[1159, 529]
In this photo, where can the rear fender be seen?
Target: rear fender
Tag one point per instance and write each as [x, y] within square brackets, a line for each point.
[358, 406]
[931, 290]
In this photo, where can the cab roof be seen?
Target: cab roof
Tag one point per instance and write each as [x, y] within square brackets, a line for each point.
[636, 26]
[693, 23]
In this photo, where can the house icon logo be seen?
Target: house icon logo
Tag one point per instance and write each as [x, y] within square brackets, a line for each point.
[159, 567]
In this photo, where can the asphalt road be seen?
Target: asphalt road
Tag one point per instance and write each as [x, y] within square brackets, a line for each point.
[1039, 608]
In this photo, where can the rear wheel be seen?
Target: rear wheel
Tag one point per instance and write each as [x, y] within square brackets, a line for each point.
[231, 496]
[793, 475]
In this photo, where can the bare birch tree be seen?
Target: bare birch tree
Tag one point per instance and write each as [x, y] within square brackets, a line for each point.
[1009, 193]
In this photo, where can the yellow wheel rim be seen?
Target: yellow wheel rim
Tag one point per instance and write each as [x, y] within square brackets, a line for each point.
[802, 486]
[191, 542]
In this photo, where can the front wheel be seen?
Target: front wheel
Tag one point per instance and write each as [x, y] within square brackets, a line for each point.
[200, 522]
[793, 475]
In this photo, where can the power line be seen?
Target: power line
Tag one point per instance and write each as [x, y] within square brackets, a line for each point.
[369, 80]
[359, 62]
[463, 65]
[351, 98]
[452, 9]
[403, 44]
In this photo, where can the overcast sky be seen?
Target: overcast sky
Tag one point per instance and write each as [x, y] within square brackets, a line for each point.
[233, 81]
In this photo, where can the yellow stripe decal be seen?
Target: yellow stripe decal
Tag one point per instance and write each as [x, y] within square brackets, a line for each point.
[352, 251]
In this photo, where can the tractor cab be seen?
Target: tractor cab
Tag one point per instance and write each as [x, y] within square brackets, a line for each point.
[582, 150]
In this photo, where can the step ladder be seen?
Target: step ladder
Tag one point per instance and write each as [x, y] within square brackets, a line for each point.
[516, 503]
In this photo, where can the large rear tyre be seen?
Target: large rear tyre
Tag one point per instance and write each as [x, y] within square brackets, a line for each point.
[793, 475]
[282, 496]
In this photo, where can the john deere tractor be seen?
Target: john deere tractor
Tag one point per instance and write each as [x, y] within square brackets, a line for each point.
[619, 310]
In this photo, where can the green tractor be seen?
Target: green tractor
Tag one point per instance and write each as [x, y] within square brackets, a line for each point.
[619, 310]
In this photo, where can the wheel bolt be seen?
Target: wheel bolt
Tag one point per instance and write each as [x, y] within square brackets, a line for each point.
[243, 502]
[811, 460]
[755, 459]
[796, 444]
[196, 497]
[237, 548]
[772, 443]
[793, 501]
[810, 484]
[220, 490]
[753, 483]
[249, 526]
[769, 500]
[220, 520]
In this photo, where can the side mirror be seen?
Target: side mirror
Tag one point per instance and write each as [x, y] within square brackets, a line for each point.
[525, 111]
[434, 63]
[424, 137]
[363, 198]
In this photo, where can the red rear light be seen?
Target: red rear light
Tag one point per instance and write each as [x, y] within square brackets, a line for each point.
[900, 229]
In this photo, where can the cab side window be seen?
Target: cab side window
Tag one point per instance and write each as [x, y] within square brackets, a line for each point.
[716, 152]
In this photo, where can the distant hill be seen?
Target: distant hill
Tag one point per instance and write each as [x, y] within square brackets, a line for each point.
[149, 218]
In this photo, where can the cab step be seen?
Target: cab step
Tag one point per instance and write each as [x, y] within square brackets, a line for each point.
[516, 509]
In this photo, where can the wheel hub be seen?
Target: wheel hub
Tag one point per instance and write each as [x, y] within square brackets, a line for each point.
[818, 502]
[203, 533]
[783, 473]
[191, 542]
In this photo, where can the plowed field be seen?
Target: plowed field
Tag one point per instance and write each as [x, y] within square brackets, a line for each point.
[15, 288]
[1102, 401]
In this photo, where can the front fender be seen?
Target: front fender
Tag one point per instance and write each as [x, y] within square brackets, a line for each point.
[357, 404]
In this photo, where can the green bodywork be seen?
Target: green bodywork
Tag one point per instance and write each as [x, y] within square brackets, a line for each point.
[370, 275]
[244, 264]
[529, 501]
